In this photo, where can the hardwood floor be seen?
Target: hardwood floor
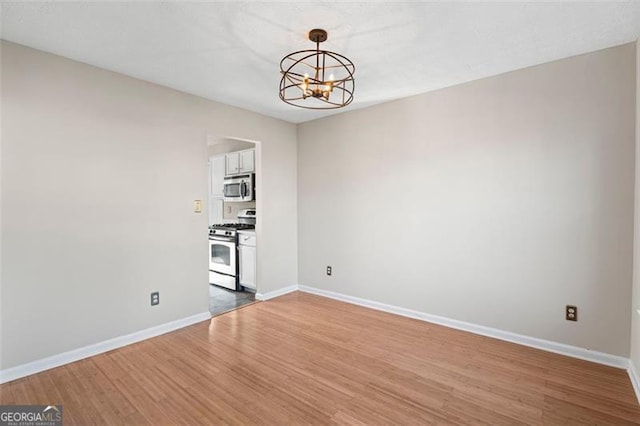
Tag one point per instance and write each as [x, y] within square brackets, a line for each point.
[302, 359]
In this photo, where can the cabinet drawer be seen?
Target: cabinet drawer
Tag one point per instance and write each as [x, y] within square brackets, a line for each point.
[247, 239]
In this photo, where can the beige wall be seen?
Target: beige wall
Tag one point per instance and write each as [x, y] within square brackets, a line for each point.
[635, 308]
[495, 202]
[99, 174]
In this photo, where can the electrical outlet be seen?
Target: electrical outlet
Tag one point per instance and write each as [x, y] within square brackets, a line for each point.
[197, 206]
[155, 298]
[328, 270]
[571, 313]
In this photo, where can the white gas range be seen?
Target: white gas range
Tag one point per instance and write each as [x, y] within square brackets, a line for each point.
[223, 250]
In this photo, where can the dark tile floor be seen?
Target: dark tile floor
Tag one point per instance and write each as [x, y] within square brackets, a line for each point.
[223, 300]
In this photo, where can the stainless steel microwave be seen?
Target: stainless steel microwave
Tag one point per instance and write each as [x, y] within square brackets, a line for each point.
[239, 187]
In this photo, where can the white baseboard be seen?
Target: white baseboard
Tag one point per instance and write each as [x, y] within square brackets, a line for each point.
[275, 293]
[43, 364]
[546, 345]
[635, 379]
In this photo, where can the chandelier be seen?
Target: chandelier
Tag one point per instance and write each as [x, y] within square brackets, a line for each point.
[317, 79]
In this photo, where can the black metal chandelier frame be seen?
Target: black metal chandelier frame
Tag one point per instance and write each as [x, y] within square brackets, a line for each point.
[296, 87]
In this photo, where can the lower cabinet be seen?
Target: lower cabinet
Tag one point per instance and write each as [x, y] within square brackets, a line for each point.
[247, 253]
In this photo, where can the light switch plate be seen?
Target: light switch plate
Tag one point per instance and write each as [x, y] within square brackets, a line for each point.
[197, 206]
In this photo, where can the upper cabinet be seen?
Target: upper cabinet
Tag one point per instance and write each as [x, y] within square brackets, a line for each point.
[233, 163]
[247, 162]
[240, 162]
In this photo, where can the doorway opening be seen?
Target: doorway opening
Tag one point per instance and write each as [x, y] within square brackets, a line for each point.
[233, 201]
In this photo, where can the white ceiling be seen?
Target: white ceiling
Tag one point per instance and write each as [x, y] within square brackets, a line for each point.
[230, 51]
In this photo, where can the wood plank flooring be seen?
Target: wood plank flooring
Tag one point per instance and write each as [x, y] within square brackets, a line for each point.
[304, 359]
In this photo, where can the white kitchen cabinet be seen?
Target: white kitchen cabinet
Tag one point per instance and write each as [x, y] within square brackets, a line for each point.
[233, 163]
[247, 252]
[216, 176]
[247, 161]
[240, 162]
[216, 189]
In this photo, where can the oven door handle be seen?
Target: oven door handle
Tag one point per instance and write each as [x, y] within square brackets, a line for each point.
[222, 239]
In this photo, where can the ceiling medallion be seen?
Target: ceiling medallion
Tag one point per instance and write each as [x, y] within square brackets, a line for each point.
[317, 79]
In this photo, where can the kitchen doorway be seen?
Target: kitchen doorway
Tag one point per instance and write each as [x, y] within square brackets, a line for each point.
[233, 198]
